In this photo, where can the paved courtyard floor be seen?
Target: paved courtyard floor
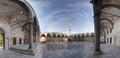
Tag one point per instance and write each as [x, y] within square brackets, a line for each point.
[66, 50]
[78, 50]
[11, 54]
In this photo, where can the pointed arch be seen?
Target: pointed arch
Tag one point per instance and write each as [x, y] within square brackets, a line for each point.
[108, 21]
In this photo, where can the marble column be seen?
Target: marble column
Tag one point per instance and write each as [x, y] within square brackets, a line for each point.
[97, 4]
[37, 37]
[97, 32]
[31, 36]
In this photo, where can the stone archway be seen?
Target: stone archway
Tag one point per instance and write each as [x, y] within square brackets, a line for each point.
[14, 14]
[98, 6]
[43, 38]
[2, 36]
[49, 37]
[110, 22]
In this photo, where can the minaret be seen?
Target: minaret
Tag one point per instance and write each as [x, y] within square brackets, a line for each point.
[70, 26]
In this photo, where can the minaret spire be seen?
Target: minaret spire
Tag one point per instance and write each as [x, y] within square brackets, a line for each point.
[70, 26]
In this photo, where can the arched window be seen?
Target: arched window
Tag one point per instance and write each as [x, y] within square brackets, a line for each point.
[110, 39]
[111, 30]
[107, 40]
[35, 22]
[107, 31]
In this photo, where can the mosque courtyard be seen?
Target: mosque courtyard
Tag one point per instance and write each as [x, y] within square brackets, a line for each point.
[59, 29]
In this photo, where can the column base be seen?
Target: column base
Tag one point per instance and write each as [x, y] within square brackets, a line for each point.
[98, 52]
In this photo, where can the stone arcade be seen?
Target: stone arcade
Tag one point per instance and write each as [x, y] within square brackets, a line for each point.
[110, 21]
[106, 18]
[60, 37]
[18, 25]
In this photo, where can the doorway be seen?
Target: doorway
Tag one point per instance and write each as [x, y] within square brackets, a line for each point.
[14, 41]
[2, 41]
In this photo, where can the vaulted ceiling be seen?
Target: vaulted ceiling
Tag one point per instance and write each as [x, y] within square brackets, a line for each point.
[10, 8]
[13, 12]
[110, 13]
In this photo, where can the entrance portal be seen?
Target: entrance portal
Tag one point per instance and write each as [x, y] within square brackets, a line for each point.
[1, 41]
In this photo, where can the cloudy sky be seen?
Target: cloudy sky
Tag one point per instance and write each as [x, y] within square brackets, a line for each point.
[54, 15]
